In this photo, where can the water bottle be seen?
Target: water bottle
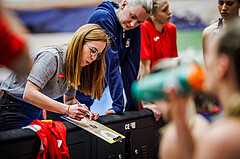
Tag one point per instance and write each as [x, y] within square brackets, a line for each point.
[183, 79]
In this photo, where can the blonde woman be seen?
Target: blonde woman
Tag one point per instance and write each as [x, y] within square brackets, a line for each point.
[158, 41]
[158, 37]
[57, 70]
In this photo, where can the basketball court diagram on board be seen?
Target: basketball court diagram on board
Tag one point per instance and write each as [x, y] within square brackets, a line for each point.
[97, 129]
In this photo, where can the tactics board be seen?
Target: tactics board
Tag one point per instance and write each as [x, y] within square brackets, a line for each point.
[97, 129]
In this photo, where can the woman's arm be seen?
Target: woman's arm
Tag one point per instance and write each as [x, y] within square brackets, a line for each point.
[206, 34]
[70, 100]
[178, 111]
[145, 66]
[33, 95]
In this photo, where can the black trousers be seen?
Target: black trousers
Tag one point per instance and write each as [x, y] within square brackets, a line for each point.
[15, 113]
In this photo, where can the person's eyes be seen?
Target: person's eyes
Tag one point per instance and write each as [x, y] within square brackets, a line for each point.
[220, 3]
[229, 3]
[132, 16]
[94, 51]
[165, 10]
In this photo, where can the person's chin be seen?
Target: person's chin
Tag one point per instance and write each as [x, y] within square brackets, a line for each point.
[166, 22]
[125, 27]
[225, 16]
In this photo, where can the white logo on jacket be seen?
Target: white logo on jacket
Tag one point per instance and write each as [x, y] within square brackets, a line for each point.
[156, 38]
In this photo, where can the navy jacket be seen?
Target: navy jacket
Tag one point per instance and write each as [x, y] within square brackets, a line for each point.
[122, 57]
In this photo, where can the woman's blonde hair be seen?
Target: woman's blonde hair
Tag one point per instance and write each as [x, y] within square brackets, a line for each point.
[155, 6]
[233, 107]
[88, 79]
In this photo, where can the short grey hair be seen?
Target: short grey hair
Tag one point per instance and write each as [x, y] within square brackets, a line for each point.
[146, 4]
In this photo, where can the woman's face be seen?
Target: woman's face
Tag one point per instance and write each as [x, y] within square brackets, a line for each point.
[91, 50]
[163, 13]
[228, 8]
[131, 16]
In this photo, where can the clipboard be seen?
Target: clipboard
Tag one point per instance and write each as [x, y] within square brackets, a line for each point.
[96, 129]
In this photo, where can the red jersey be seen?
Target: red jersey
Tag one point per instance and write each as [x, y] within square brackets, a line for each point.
[155, 45]
[53, 139]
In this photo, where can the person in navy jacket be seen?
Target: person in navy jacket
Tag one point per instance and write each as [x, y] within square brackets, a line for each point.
[122, 24]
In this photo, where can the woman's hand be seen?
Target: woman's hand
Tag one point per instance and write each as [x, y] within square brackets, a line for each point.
[79, 111]
[154, 109]
[93, 116]
[110, 111]
[178, 104]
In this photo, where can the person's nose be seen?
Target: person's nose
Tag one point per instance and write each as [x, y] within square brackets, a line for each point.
[224, 7]
[169, 12]
[93, 57]
[133, 23]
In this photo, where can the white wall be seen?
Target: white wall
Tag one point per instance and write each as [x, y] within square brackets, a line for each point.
[207, 10]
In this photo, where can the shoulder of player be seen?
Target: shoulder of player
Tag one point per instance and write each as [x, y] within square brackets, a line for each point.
[210, 28]
[225, 131]
[170, 26]
[208, 31]
[146, 24]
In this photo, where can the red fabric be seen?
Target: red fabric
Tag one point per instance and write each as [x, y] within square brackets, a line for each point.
[10, 45]
[155, 45]
[216, 110]
[140, 106]
[49, 133]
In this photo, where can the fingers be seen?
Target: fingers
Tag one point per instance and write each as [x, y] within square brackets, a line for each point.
[93, 116]
[83, 111]
[90, 115]
[154, 109]
[77, 112]
[111, 111]
[83, 108]
[82, 105]
[157, 115]
[96, 116]
[80, 117]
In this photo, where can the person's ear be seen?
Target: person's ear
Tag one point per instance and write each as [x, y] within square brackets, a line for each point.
[124, 4]
[223, 65]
